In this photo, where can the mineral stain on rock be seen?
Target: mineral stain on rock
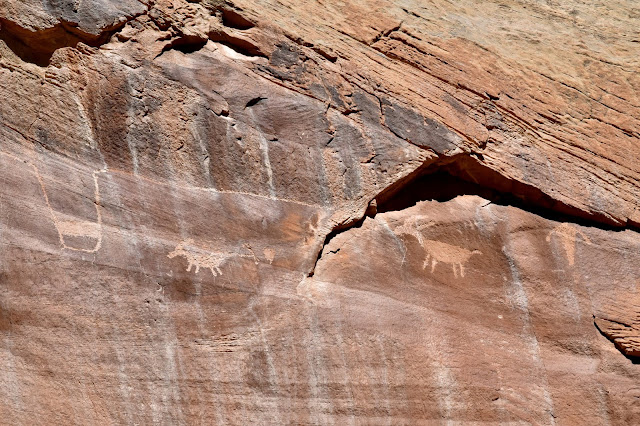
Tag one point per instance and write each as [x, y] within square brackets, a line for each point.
[422, 131]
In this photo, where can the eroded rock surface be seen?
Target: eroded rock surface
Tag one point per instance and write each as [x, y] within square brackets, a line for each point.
[487, 308]
[358, 212]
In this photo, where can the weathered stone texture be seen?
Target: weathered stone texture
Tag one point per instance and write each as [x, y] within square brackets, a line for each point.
[319, 212]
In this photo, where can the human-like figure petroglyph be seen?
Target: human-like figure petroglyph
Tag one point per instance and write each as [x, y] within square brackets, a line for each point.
[567, 234]
[269, 254]
[67, 228]
[87, 229]
[437, 251]
[202, 258]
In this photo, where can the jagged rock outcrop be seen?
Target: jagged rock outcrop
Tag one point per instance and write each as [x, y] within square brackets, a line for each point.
[34, 30]
[359, 212]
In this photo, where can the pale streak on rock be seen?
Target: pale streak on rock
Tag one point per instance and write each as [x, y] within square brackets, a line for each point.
[521, 299]
[334, 173]
[264, 150]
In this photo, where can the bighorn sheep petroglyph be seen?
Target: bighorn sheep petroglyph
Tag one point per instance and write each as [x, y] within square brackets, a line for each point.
[437, 251]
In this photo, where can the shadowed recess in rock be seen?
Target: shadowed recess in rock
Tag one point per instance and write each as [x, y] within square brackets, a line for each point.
[465, 175]
[192, 44]
[451, 177]
[622, 334]
[185, 44]
[37, 47]
[233, 19]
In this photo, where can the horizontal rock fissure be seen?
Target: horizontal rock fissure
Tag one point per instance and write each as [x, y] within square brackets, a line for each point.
[185, 44]
[449, 177]
[193, 43]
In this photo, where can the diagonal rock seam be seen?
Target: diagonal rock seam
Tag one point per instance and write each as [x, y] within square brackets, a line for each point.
[622, 337]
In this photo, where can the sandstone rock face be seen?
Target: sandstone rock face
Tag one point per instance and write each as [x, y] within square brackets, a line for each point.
[286, 212]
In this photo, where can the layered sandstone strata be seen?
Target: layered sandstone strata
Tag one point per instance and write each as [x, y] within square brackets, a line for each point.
[286, 212]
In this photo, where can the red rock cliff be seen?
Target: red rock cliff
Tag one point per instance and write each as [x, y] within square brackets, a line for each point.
[319, 212]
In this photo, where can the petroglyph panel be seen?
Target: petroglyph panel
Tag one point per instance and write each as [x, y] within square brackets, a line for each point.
[118, 237]
[193, 161]
[568, 234]
[436, 251]
[535, 319]
[205, 219]
[68, 228]
[199, 257]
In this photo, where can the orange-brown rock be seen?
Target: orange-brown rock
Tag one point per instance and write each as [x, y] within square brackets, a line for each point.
[296, 212]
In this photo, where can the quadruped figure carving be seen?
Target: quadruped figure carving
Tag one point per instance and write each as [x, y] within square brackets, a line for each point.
[201, 258]
[437, 251]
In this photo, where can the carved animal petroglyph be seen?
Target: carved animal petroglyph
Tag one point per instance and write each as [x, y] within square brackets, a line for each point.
[437, 251]
[202, 258]
[199, 258]
[568, 234]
